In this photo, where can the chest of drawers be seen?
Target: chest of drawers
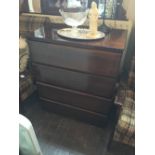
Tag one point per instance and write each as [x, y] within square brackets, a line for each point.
[78, 78]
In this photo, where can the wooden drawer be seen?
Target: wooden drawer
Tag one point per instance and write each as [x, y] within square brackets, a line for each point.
[75, 98]
[85, 60]
[75, 112]
[96, 85]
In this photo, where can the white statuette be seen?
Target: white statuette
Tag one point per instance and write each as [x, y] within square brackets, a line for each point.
[93, 19]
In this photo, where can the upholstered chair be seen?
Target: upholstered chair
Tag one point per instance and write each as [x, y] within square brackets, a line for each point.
[26, 86]
[125, 100]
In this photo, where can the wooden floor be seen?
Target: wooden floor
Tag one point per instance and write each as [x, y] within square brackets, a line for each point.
[58, 135]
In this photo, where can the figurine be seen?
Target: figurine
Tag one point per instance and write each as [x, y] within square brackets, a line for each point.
[93, 19]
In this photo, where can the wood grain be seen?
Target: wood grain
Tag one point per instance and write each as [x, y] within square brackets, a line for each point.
[90, 61]
[75, 98]
[78, 78]
[88, 83]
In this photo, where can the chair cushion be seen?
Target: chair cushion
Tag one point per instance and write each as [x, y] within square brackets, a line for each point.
[23, 54]
[125, 129]
[26, 86]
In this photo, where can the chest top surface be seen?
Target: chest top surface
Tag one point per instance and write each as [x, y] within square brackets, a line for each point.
[115, 39]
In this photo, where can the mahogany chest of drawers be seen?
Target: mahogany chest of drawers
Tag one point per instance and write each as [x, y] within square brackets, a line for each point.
[78, 78]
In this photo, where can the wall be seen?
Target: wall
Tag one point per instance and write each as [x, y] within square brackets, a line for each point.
[129, 6]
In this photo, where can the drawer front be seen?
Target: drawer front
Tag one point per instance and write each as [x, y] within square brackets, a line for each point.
[86, 60]
[74, 112]
[96, 85]
[75, 98]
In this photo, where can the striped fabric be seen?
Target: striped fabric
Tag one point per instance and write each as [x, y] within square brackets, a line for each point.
[26, 86]
[125, 127]
[27, 24]
[23, 54]
[123, 94]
